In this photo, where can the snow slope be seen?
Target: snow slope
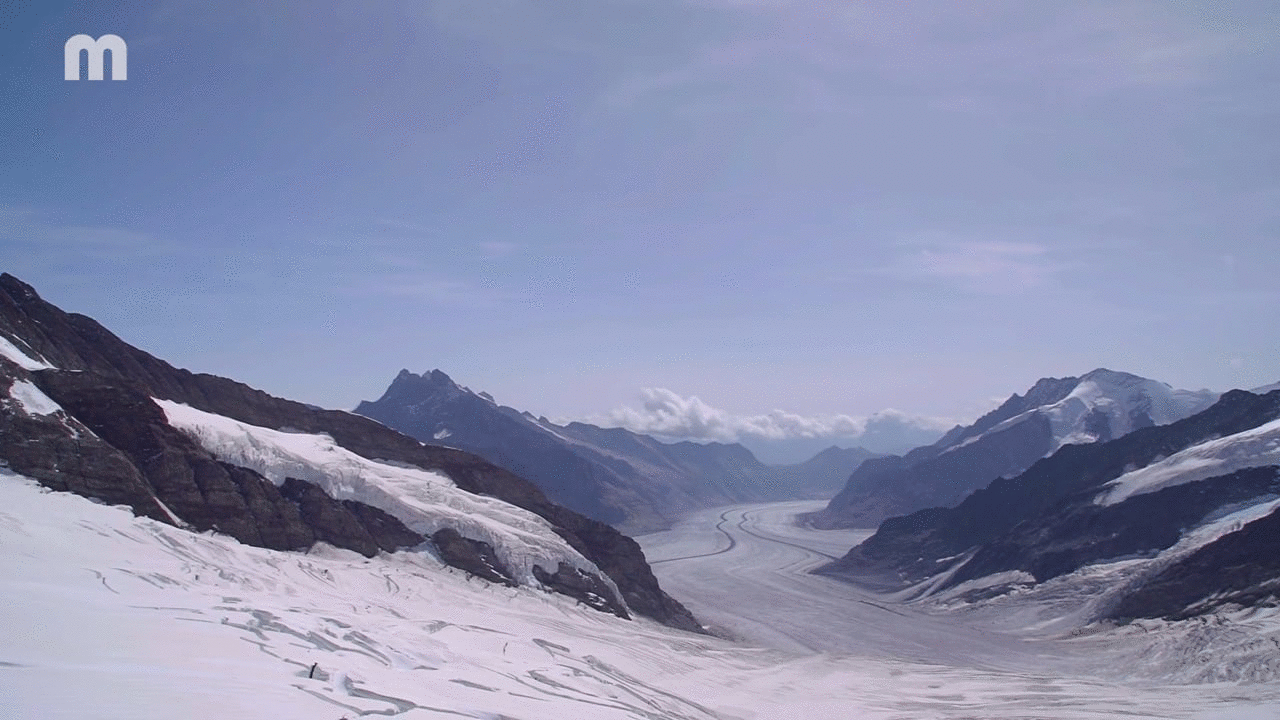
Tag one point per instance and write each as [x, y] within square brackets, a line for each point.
[23, 360]
[1252, 448]
[1121, 398]
[32, 401]
[424, 501]
[112, 616]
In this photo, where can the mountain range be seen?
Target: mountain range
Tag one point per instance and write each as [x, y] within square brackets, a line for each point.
[1167, 521]
[322, 563]
[1055, 412]
[84, 412]
[630, 480]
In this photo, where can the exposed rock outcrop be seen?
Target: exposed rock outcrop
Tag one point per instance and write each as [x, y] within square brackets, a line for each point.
[473, 556]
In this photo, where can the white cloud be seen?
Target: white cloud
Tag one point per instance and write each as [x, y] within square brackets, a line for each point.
[668, 414]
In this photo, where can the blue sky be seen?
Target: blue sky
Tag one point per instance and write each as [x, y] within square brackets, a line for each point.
[827, 208]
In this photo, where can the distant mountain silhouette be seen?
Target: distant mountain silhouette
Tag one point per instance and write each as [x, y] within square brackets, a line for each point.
[630, 480]
[1189, 507]
[1098, 406]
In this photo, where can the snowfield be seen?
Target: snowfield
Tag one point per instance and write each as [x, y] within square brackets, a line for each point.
[424, 501]
[111, 616]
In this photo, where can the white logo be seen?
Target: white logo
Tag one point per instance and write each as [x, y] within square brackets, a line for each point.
[78, 43]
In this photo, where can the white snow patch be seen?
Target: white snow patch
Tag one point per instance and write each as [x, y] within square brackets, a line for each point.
[24, 361]
[31, 399]
[1218, 527]
[424, 501]
[442, 434]
[1252, 448]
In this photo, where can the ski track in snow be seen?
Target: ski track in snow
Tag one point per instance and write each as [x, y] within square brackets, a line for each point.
[111, 616]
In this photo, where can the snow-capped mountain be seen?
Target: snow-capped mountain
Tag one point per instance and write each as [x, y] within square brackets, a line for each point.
[1101, 405]
[1167, 521]
[82, 411]
[627, 479]
[1098, 406]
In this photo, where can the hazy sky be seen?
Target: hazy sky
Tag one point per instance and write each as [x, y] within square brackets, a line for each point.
[820, 207]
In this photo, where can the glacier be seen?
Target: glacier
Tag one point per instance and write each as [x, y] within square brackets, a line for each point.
[114, 616]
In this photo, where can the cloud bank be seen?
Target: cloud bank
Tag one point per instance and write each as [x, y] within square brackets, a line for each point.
[667, 414]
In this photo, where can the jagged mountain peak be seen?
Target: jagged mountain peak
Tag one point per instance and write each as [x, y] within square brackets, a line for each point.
[15, 287]
[413, 389]
[1106, 404]
[1047, 390]
[433, 384]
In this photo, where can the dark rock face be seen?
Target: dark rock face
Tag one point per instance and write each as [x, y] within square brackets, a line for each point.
[63, 454]
[608, 474]
[1078, 532]
[473, 556]
[584, 587]
[928, 477]
[189, 481]
[115, 445]
[626, 559]
[1045, 521]
[347, 523]
[1241, 568]
[172, 474]
[281, 523]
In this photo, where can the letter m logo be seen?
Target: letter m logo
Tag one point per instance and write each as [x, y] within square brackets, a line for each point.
[83, 43]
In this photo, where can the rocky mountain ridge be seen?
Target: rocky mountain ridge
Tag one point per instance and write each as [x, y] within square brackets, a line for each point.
[1185, 514]
[80, 414]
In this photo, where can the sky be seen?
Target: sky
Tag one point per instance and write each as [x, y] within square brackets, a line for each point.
[825, 213]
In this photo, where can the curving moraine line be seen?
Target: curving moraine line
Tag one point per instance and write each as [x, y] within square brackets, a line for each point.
[743, 528]
[733, 543]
